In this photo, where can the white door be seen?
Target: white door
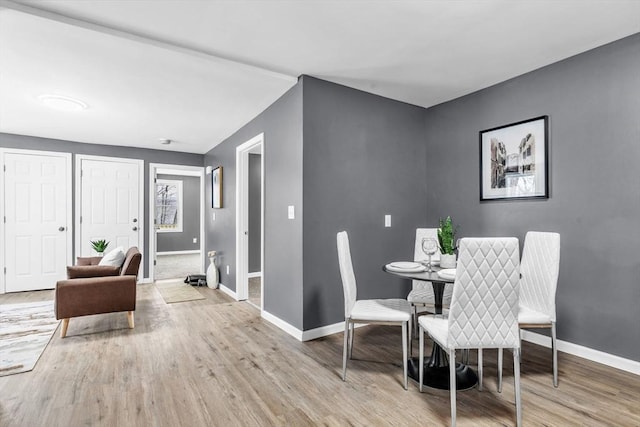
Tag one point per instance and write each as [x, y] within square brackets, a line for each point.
[37, 217]
[110, 201]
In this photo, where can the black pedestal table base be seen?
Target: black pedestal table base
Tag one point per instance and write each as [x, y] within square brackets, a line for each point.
[438, 376]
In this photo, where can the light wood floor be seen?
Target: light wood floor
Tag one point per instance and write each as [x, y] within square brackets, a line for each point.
[215, 362]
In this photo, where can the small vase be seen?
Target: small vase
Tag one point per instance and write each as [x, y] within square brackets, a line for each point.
[212, 271]
[448, 261]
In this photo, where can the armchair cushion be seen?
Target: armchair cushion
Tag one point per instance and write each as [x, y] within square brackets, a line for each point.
[82, 271]
[88, 260]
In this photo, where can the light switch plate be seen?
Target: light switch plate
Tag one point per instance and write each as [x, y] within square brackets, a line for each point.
[227, 269]
[291, 212]
[387, 220]
[213, 216]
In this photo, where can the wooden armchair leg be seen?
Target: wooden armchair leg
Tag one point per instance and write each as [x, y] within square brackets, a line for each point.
[63, 330]
[130, 319]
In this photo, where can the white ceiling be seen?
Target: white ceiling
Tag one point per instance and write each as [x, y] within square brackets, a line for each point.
[196, 71]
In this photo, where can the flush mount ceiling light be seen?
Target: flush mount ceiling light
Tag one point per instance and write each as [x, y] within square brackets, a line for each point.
[61, 102]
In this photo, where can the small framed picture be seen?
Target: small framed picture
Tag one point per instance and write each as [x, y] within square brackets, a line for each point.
[514, 160]
[216, 187]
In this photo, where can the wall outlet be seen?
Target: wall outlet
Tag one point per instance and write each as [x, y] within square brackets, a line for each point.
[195, 240]
[227, 269]
[387, 220]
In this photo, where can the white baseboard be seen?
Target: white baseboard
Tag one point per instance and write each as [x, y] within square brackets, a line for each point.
[585, 352]
[145, 280]
[178, 252]
[255, 274]
[324, 331]
[308, 335]
[290, 329]
[228, 291]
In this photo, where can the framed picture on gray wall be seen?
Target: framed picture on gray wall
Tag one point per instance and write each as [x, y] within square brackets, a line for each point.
[216, 187]
[514, 160]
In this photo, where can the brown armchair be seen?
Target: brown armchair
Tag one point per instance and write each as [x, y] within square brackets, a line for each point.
[96, 289]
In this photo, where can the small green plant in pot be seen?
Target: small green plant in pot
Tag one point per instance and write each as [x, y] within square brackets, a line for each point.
[99, 246]
[447, 243]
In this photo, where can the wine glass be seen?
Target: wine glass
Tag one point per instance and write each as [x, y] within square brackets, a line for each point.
[429, 247]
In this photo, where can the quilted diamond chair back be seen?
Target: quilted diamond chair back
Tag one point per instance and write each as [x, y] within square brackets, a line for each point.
[539, 272]
[346, 273]
[484, 306]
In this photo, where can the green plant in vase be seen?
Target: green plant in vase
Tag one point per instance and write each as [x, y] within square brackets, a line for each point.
[99, 245]
[447, 243]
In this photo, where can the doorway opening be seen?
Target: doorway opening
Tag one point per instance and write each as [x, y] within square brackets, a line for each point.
[250, 283]
[176, 216]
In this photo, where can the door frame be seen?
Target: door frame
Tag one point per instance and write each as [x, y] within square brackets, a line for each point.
[242, 217]
[78, 199]
[174, 170]
[69, 184]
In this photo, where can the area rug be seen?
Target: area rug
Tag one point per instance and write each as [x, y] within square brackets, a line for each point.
[173, 291]
[25, 331]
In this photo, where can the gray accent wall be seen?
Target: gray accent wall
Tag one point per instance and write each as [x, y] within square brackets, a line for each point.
[149, 156]
[281, 124]
[255, 197]
[183, 241]
[593, 104]
[364, 157]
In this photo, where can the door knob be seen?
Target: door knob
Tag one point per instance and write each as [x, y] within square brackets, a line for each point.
[135, 228]
[60, 228]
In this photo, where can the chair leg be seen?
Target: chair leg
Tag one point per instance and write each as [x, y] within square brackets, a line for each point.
[352, 334]
[345, 349]
[410, 335]
[404, 350]
[63, 329]
[480, 369]
[421, 360]
[130, 319]
[415, 320]
[516, 375]
[499, 370]
[452, 385]
[554, 350]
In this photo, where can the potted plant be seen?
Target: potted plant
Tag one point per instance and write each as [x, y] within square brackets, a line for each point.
[447, 243]
[99, 246]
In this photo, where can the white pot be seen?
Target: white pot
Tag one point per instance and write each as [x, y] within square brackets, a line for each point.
[448, 261]
[212, 271]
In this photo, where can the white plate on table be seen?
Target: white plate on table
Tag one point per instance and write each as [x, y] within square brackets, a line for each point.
[447, 273]
[434, 262]
[405, 267]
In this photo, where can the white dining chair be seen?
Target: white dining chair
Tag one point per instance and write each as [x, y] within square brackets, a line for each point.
[539, 269]
[484, 309]
[378, 311]
[421, 294]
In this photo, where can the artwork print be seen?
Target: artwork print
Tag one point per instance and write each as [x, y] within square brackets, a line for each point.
[514, 161]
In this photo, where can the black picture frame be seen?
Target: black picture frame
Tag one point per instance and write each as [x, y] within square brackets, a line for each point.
[514, 161]
[216, 188]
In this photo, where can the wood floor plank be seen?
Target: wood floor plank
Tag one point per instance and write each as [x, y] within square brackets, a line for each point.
[215, 362]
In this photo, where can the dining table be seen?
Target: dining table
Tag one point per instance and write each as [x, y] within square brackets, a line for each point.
[436, 367]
